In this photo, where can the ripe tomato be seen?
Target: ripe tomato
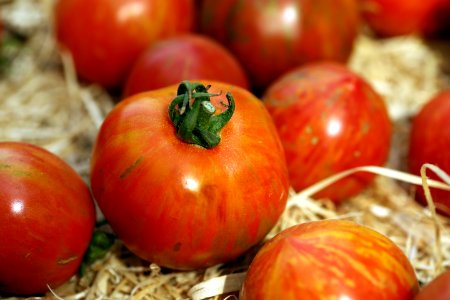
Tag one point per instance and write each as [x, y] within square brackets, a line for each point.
[271, 37]
[392, 18]
[331, 259]
[182, 205]
[437, 289]
[429, 143]
[106, 36]
[329, 119]
[184, 57]
[47, 218]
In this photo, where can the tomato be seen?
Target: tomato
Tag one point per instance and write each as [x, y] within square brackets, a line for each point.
[393, 18]
[47, 219]
[191, 195]
[271, 37]
[184, 57]
[429, 143]
[436, 289]
[331, 259]
[329, 120]
[105, 37]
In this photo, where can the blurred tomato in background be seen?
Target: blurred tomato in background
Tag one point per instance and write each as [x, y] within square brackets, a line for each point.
[272, 37]
[393, 18]
[106, 36]
[184, 57]
[430, 143]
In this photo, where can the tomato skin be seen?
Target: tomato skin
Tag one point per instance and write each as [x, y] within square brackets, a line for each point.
[180, 205]
[436, 289]
[394, 18]
[329, 120]
[47, 219]
[332, 259]
[184, 57]
[271, 37]
[429, 143]
[106, 36]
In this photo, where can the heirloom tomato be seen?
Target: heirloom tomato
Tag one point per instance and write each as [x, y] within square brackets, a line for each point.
[329, 120]
[436, 289]
[184, 57]
[332, 259]
[47, 217]
[430, 143]
[271, 37]
[105, 37]
[189, 177]
[393, 18]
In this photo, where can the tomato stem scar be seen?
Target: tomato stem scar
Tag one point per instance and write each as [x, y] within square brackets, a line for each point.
[193, 115]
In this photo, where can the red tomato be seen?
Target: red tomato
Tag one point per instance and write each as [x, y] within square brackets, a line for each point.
[429, 143]
[331, 259]
[182, 205]
[329, 120]
[47, 218]
[184, 57]
[437, 289]
[392, 18]
[271, 37]
[106, 36]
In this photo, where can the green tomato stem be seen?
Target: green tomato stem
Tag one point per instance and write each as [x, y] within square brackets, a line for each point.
[193, 115]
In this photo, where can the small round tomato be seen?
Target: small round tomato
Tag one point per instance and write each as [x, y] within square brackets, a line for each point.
[436, 289]
[188, 176]
[331, 259]
[105, 37]
[429, 143]
[329, 120]
[271, 37]
[393, 18]
[184, 57]
[47, 218]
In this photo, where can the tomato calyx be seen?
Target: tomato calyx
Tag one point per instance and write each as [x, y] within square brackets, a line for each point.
[193, 114]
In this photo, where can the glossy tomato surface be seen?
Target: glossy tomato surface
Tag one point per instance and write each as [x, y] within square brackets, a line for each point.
[329, 120]
[106, 36]
[393, 18]
[331, 259]
[181, 205]
[429, 143]
[436, 289]
[184, 57]
[47, 218]
[271, 37]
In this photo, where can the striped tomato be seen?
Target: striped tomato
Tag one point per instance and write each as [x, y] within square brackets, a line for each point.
[329, 120]
[331, 259]
[191, 180]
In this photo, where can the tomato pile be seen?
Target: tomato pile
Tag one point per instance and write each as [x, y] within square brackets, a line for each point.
[222, 107]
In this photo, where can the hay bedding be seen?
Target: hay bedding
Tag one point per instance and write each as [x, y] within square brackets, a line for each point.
[43, 103]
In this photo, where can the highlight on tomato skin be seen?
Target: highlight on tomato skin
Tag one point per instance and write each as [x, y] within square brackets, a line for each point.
[329, 120]
[47, 218]
[184, 57]
[429, 142]
[330, 259]
[105, 37]
[197, 201]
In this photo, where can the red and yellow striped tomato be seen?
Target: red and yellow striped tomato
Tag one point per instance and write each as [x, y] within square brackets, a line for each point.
[331, 259]
[329, 120]
[175, 196]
